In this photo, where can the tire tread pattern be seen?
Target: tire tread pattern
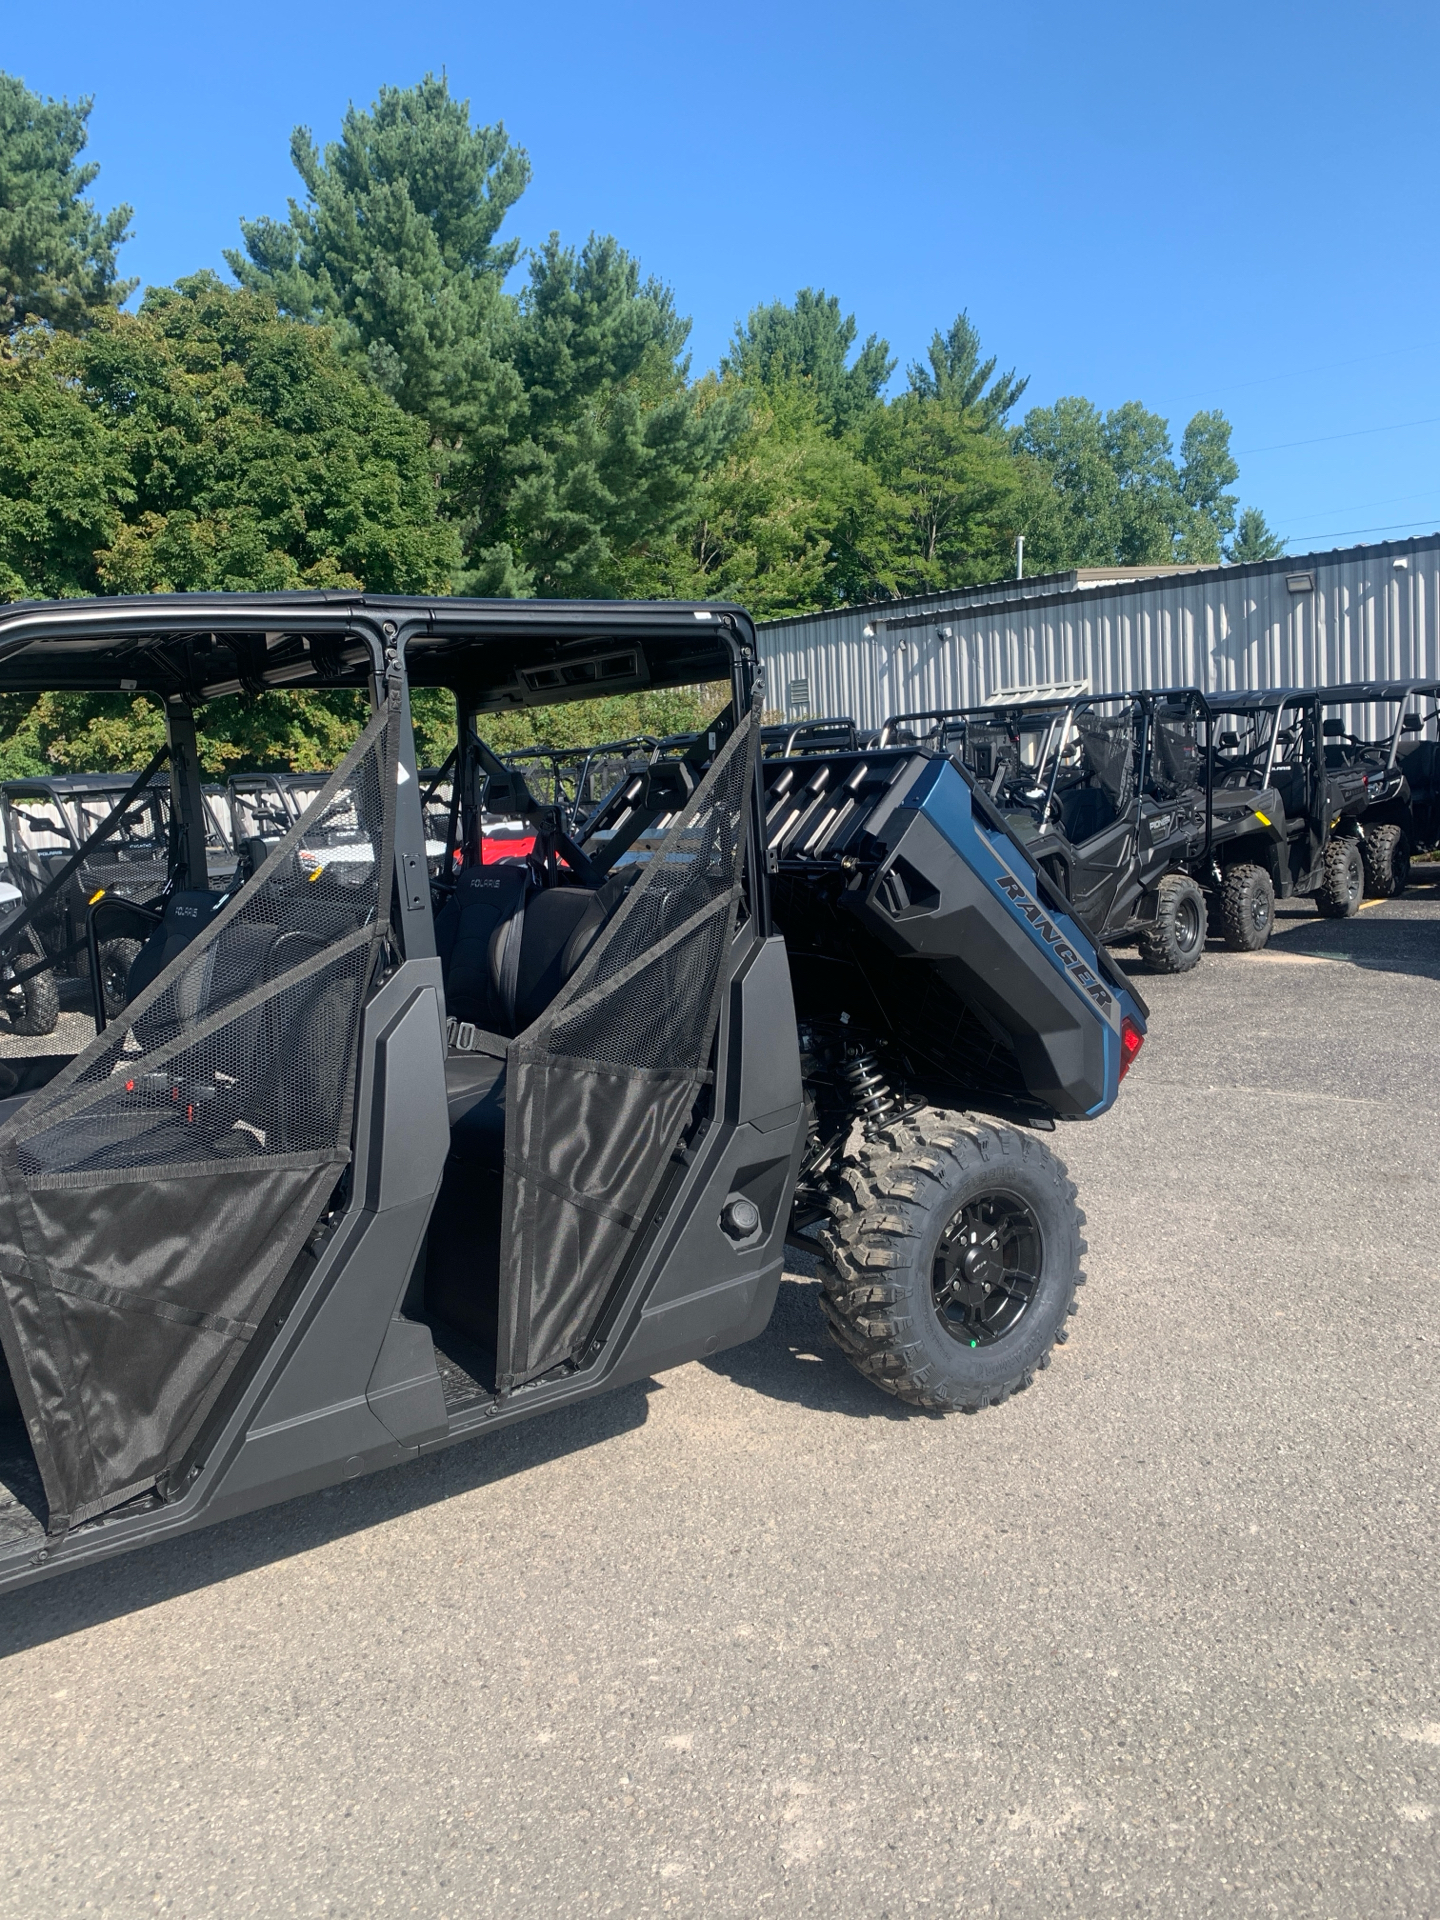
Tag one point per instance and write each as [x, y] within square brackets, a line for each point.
[1236, 921]
[882, 1201]
[1386, 852]
[1332, 896]
[1159, 947]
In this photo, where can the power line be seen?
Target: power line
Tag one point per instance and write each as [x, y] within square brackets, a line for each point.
[1282, 446]
[1304, 373]
[1344, 533]
[1389, 500]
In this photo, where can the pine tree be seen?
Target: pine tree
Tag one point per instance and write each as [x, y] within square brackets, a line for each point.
[571, 438]
[1254, 539]
[57, 253]
[811, 341]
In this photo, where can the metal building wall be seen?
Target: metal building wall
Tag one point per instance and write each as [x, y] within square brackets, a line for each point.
[1368, 613]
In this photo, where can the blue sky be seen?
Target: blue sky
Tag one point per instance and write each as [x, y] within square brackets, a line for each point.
[1226, 206]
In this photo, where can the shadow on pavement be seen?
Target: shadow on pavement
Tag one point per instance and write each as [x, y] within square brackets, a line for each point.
[795, 1360]
[73, 1602]
[1383, 940]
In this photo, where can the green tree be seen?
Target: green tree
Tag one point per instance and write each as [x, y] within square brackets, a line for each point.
[108, 732]
[63, 477]
[811, 341]
[203, 443]
[1105, 490]
[946, 485]
[763, 531]
[572, 440]
[944, 512]
[57, 252]
[1254, 539]
[605, 454]
[1207, 468]
[258, 461]
[954, 372]
[395, 246]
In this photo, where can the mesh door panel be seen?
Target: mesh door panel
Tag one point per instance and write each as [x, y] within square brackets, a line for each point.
[1178, 763]
[600, 1088]
[1110, 749]
[154, 1195]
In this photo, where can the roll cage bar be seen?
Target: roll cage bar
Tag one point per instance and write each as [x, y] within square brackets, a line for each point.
[494, 656]
[945, 727]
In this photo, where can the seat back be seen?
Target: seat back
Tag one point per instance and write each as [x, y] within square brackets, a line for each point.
[187, 912]
[507, 945]
[484, 902]
[1084, 812]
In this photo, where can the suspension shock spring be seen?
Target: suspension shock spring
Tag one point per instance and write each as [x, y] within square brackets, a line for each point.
[863, 1078]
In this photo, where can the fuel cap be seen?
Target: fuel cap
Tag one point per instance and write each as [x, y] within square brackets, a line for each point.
[739, 1217]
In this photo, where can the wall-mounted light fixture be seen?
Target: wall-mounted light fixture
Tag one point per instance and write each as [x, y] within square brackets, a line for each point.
[1300, 582]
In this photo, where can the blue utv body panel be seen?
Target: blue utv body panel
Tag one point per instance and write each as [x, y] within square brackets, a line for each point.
[944, 797]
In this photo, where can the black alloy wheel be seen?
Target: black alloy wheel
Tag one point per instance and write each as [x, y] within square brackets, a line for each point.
[987, 1267]
[1189, 927]
[952, 1257]
[116, 959]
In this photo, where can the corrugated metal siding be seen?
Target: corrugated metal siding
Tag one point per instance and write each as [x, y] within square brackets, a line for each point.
[1370, 614]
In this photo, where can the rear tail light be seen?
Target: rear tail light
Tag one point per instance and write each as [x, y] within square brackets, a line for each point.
[1131, 1041]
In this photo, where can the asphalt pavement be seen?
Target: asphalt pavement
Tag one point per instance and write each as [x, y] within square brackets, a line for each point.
[1162, 1636]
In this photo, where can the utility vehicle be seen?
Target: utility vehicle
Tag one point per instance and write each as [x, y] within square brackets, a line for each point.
[372, 1163]
[105, 837]
[1378, 728]
[577, 779]
[52, 832]
[1109, 796]
[29, 992]
[1288, 811]
[264, 807]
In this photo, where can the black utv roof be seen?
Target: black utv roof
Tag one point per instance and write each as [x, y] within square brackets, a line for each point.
[1358, 693]
[65, 783]
[493, 653]
[1349, 694]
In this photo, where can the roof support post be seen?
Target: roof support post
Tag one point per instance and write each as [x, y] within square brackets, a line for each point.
[187, 801]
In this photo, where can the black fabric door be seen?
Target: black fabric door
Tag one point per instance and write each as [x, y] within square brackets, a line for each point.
[154, 1196]
[601, 1086]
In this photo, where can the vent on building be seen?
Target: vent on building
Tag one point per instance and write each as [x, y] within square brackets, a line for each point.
[797, 699]
[1050, 690]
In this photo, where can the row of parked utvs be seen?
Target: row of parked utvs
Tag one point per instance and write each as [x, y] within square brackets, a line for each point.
[1162, 816]
[393, 1133]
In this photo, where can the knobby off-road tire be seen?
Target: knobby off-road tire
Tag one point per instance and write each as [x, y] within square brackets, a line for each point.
[906, 1211]
[1343, 886]
[1247, 908]
[1387, 861]
[1176, 939]
[33, 1008]
[116, 959]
